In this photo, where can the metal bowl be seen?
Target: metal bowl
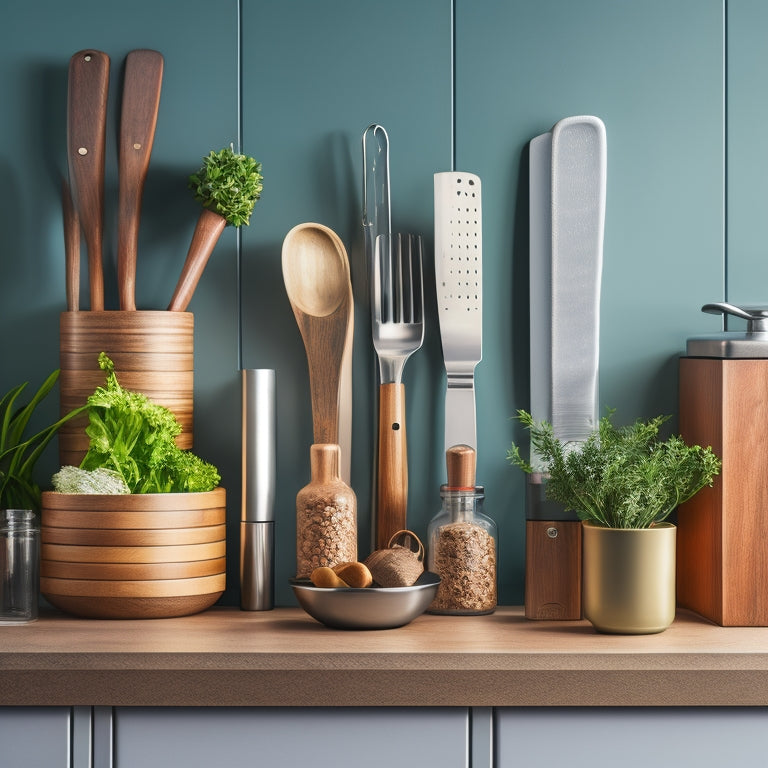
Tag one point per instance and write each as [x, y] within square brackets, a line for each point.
[368, 608]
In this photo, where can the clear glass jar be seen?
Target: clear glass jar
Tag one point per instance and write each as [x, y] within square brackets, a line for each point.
[326, 515]
[462, 550]
[19, 566]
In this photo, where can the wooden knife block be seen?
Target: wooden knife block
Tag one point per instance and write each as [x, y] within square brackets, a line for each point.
[722, 538]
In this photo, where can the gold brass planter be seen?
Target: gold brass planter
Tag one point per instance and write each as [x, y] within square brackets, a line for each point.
[629, 578]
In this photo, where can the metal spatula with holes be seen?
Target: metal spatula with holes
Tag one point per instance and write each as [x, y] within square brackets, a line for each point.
[458, 281]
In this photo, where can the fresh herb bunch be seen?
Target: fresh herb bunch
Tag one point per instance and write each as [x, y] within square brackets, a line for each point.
[229, 184]
[136, 438]
[18, 454]
[619, 477]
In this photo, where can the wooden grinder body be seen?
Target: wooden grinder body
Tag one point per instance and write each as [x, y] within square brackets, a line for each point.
[722, 541]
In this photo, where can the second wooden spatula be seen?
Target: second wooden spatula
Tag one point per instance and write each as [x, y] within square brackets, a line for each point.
[138, 119]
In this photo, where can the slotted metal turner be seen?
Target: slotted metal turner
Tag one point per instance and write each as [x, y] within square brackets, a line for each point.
[459, 284]
[397, 301]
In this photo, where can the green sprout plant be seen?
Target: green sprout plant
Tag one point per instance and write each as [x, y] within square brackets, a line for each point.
[228, 185]
[619, 477]
[18, 452]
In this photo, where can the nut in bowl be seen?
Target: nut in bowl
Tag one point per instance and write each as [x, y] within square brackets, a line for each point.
[366, 607]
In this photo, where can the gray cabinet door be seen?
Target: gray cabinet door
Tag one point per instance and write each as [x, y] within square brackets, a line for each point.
[287, 737]
[633, 738]
[35, 736]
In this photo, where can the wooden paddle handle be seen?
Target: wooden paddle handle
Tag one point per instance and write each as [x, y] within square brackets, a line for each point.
[71, 248]
[86, 141]
[138, 119]
[392, 491]
[209, 227]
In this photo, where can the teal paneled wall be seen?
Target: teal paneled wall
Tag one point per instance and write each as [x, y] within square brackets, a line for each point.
[295, 83]
[307, 99]
[198, 112]
[747, 254]
[653, 72]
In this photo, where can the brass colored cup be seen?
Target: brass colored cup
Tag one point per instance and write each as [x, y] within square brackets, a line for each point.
[629, 578]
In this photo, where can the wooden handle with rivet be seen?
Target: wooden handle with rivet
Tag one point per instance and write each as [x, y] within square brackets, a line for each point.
[86, 141]
[392, 491]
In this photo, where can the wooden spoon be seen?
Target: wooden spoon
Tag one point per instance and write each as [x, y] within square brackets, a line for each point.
[316, 277]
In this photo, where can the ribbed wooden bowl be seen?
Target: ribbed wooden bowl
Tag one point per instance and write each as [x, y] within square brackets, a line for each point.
[133, 556]
[153, 353]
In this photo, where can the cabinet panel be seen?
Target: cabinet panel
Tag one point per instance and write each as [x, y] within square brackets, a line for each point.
[262, 738]
[35, 736]
[632, 738]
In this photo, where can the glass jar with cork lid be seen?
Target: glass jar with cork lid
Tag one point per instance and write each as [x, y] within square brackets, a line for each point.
[326, 515]
[462, 542]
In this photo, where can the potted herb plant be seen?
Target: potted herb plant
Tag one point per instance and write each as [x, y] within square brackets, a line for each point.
[623, 483]
[138, 530]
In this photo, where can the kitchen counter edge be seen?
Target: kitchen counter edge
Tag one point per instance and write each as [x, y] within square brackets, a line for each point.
[228, 657]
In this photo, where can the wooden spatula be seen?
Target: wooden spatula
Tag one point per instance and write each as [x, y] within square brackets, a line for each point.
[86, 138]
[138, 119]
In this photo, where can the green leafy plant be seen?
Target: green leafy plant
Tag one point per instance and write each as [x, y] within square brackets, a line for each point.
[229, 184]
[136, 438]
[19, 454]
[619, 477]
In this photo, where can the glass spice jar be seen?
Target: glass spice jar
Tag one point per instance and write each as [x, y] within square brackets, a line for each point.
[326, 515]
[463, 542]
[19, 566]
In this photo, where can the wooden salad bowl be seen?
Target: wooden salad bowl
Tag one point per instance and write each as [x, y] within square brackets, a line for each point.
[133, 555]
[55, 569]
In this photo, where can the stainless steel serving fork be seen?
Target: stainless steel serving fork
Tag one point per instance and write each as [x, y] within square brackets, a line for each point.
[397, 308]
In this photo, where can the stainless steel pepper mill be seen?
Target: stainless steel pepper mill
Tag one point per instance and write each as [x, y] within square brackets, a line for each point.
[257, 536]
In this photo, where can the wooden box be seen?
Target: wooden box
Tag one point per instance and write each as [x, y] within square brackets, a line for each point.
[722, 542]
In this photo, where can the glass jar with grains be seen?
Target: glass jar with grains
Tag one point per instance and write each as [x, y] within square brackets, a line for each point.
[326, 515]
[462, 542]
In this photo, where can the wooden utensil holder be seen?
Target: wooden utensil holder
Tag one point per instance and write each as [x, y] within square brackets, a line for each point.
[153, 353]
[722, 540]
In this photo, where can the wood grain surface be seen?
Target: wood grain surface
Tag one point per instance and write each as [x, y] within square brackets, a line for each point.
[283, 657]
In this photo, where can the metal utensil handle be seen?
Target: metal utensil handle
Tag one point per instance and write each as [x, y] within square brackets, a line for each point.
[579, 171]
[377, 215]
[757, 318]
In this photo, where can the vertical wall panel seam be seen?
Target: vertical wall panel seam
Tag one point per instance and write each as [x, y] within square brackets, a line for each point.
[725, 151]
[238, 232]
[453, 85]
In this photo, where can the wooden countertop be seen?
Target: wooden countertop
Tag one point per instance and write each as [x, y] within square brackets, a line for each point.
[283, 657]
